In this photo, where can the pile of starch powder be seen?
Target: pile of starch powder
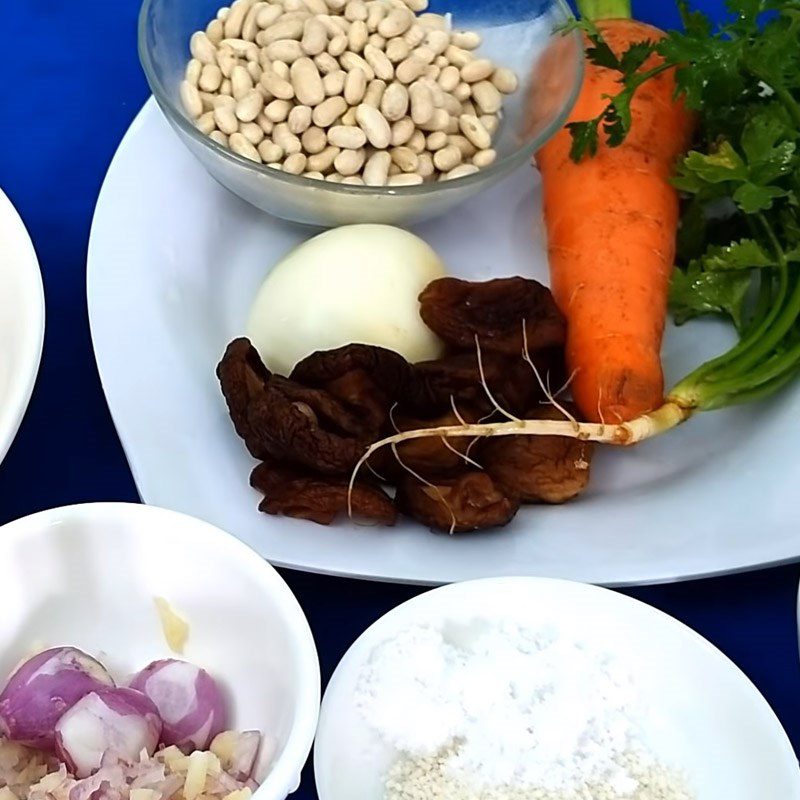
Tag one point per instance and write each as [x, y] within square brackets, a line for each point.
[481, 708]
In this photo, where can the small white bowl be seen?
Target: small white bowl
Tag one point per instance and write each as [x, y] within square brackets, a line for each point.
[21, 321]
[87, 576]
[704, 717]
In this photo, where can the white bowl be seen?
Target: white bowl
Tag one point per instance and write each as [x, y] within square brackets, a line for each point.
[704, 716]
[21, 321]
[87, 576]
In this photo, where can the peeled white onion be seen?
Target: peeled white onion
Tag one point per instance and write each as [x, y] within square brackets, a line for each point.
[110, 723]
[42, 689]
[357, 283]
[188, 700]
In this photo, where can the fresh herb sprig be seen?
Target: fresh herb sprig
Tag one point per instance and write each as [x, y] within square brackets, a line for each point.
[739, 240]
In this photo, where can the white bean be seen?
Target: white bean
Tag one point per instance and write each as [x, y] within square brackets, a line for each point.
[462, 92]
[438, 122]
[206, 124]
[352, 180]
[405, 158]
[432, 22]
[278, 110]
[351, 61]
[463, 144]
[255, 71]
[190, 97]
[194, 71]
[425, 164]
[357, 36]
[395, 23]
[235, 19]
[505, 80]
[402, 131]
[337, 45]
[315, 37]
[326, 63]
[322, 161]
[473, 129]
[295, 163]
[447, 158]
[349, 162]
[490, 122]
[411, 179]
[252, 132]
[437, 41]
[460, 171]
[483, 158]
[415, 35]
[265, 123]
[333, 82]
[408, 70]
[374, 93]
[241, 82]
[347, 137]
[334, 177]
[314, 140]
[226, 119]
[219, 137]
[270, 152]
[286, 139]
[449, 78]
[355, 11]
[376, 11]
[374, 124]
[417, 142]
[417, 5]
[215, 31]
[299, 119]
[241, 49]
[457, 56]
[467, 40]
[281, 68]
[250, 27]
[307, 83]
[478, 70]
[397, 50]
[314, 176]
[286, 50]
[221, 100]
[202, 49]
[249, 106]
[376, 40]
[328, 111]
[487, 97]
[380, 64]
[355, 84]
[239, 144]
[278, 87]
[376, 170]
[283, 29]
[436, 141]
[268, 15]
[421, 99]
[394, 102]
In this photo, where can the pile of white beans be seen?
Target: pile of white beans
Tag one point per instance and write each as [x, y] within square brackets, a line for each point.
[348, 91]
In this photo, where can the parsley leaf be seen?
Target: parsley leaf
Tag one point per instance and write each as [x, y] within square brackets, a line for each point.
[694, 294]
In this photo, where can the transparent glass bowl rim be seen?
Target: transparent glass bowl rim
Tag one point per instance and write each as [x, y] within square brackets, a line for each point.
[499, 168]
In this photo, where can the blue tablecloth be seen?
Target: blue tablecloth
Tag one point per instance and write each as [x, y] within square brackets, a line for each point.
[73, 85]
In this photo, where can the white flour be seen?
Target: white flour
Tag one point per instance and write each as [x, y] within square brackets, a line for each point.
[502, 706]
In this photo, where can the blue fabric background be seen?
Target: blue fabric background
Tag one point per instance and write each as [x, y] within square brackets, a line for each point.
[73, 85]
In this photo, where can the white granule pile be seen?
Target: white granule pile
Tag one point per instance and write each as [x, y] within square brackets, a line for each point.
[501, 712]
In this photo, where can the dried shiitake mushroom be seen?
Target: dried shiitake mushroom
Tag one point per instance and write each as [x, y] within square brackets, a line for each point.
[433, 456]
[538, 469]
[293, 493]
[467, 502]
[243, 376]
[506, 315]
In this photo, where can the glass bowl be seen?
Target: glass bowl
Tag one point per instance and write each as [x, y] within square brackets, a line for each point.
[521, 34]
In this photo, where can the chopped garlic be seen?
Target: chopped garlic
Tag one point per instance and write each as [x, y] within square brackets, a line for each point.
[7, 794]
[176, 629]
[143, 794]
[173, 757]
[223, 745]
[239, 794]
[195, 775]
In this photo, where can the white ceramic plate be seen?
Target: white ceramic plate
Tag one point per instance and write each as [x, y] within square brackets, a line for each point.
[87, 576]
[174, 262]
[703, 716]
[21, 321]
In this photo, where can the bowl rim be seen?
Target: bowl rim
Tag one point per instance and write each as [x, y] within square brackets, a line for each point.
[498, 169]
[284, 773]
[23, 268]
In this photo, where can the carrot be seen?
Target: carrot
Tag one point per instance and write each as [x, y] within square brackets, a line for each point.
[611, 223]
